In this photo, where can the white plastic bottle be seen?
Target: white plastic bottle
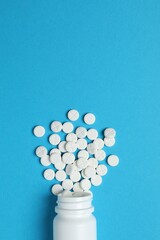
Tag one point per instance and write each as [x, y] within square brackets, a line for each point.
[74, 219]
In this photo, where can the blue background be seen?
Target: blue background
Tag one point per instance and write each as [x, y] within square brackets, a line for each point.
[95, 56]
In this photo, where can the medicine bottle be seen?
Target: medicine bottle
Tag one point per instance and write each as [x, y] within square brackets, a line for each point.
[74, 219]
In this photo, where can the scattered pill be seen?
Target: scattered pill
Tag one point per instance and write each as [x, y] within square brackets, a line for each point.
[67, 127]
[102, 170]
[56, 126]
[55, 157]
[41, 151]
[89, 118]
[92, 134]
[92, 162]
[113, 160]
[61, 146]
[99, 143]
[109, 142]
[85, 184]
[75, 176]
[81, 163]
[89, 171]
[66, 193]
[55, 150]
[54, 139]
[77, 187]
[91, 148]
[71, 147]
[39, 131]
[100, 155]
[67, 184]
[81, 144]
[60, 175]
[71, 137]
[81, 132]
[96, 180]
[70, 168]
[73, 115]
[49, 174]
[109, 133]
[59, 165]
[45, 160]
[57, 189]
[68, 158]
[83, 154]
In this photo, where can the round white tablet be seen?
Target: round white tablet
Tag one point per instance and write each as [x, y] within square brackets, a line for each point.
[59, 165]
[68, 158]
[85, 184]
[62, 147]
[81, 132]
[92, 134]
[89, 118]
[99, 143]
[49, 174]
[45, 160]
[109, 142]
[81, 163]
[102, 170]
[89, 171]
[67, 127]
[71, 147]
[39, 131]
[60, 175]
[77, 187]
[66, 193]
[81, 144]
[71, 137]
[73, 115]
[70, 168]
[113, 160]
[56, 126]
[57, 189]
[92, 162]
[41, 151]
[55, 157]
[54, 139]
[109, 133]
[54, 150]
[100, 155]
[83, 154]
[67, 184]
[91, 148]
[96, 180]
[83, 173]
[75, 176]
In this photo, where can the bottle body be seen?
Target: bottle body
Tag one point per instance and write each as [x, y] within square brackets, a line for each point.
[75, 223]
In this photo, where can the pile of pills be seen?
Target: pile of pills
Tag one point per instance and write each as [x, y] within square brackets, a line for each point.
[76, 162]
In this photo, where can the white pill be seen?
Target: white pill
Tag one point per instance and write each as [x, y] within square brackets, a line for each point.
[45, 160]
[71, 147]
[101, 170]
[54, 150]
[70, 169]
[66, 193]
[71, 137]
[68, 158]
[81, 132]
[60, 175]
[39, 131]
[57, 189]
[89, 118]
[113, 160]
[67, 127]
[92, 162]
[54, 139]
[81, 144]
[96, 180]
[56, 126]
[89, 171]
[75, 176]
[55, 157]
[59, 165]
[100, 155]
[91, 148]
[99, 143]
[49, 174]
[67, 184]
[83, 173]
[81, 163]
[92, 134]
[77, 187]
[73, 115]
[41, 151]
[61, 146]
[109, 142]
[85, 184]
[83, 154]
[109, 133]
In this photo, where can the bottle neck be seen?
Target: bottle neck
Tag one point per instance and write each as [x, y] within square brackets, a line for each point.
[76, 205]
